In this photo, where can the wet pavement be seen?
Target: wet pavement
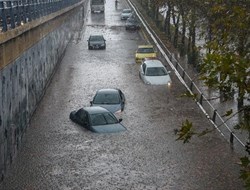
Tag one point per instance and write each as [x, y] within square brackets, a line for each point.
[59, 154]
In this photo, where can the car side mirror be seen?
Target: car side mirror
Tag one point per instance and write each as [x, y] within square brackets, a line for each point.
[91, 103]
[120, 120]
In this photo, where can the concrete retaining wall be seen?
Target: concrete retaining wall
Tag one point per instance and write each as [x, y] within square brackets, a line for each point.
[27, 62]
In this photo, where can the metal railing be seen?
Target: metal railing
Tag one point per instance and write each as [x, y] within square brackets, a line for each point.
[208, 109]
[14, 13]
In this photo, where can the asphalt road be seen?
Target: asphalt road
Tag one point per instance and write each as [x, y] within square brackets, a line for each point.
[59, 154]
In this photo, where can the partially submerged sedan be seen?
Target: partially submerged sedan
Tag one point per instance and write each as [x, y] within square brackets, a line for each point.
[96, 42]
[144, 51]
[153, 72]
[132, 24]
[109, 98]
[97, 119]
[126, 14]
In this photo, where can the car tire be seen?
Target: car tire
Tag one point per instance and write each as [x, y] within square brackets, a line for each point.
[90, 48]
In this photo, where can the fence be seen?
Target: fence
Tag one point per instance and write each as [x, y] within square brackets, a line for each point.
[14, 13]
[208, 109]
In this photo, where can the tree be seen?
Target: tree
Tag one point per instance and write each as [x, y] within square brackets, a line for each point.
[227, 64]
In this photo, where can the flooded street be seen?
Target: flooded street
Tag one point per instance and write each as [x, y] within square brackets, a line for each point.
[59, 154]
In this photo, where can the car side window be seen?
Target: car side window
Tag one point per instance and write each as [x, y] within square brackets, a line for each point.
[110, 118]
[144, 67]
[98, 119]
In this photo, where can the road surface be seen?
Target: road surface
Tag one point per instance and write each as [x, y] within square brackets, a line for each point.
[59, 154]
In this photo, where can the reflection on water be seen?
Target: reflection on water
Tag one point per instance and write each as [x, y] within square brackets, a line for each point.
[97, 18]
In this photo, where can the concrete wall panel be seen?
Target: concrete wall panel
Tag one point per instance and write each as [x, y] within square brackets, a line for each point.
[29, 62]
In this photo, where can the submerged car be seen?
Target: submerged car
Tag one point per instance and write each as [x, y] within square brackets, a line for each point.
[144, 51]
[96, 42]
[132, 24]
[126, 13]
[97, 119]
[111, 99]
[153, 72]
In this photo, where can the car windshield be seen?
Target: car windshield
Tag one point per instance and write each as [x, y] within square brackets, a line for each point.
[96, 38]
[145, 50]
[103, 119]
[103, 98]
[156, 71]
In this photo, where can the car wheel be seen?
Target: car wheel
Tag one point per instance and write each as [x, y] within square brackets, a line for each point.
[104, 47]
[90, 48]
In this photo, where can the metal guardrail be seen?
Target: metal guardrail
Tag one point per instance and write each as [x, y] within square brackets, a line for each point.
[204, 104]
[14, 13]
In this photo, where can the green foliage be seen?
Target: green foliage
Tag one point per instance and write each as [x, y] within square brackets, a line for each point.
[228, 113]
[226, 65]
[245, 171]
[186, 131]
[245, 122]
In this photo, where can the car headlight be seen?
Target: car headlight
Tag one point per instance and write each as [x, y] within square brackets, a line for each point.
[169, 84]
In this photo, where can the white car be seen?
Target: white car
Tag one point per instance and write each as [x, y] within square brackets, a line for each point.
[153, 72]
[126, 14]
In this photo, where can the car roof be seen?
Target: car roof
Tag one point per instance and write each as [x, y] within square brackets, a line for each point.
[153, 63]
[145, 46]
[96, 109]
[108, 90]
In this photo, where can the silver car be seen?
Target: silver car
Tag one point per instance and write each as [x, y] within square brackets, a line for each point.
[132, 24]
[126, 14]
[111, 99]
[153, 72]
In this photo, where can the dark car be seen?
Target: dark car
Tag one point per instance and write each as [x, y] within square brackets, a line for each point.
[97, 119]
[96, 42]
[132, 23]
[111, 99]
